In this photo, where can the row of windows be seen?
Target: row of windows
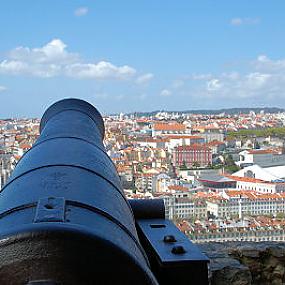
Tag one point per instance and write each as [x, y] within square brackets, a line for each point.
[242, 234]
[264, 190]
[184, 205]
[219, 239]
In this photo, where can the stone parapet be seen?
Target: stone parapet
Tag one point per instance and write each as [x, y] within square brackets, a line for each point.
[246, 263]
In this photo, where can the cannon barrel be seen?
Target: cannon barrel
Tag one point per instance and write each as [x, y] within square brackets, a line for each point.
[64, 218]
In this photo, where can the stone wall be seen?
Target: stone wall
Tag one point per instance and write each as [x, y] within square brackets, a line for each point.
[245, 263]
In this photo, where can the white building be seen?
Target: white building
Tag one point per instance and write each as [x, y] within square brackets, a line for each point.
[181, 205]
[262, 157]
[275, 173]
[258, 185]
[179, 140]
[250, 203]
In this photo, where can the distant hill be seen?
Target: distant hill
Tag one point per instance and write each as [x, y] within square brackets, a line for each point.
[229, 111]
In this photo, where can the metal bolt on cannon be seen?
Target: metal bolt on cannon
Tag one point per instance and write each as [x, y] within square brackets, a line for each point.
[64, 218]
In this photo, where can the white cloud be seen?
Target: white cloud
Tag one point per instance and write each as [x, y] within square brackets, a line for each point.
[2, 88]
[100, 70]
[214, 85]
[260, 81]
[81, 11]
[264, 81]
[256, 80]
[145, 78]
[231, 75]
[266, 64]
[165, 93]
[12, 66]
[18, 67]
[262, 58]
[244, 21]
[52, 52]
[53, 59]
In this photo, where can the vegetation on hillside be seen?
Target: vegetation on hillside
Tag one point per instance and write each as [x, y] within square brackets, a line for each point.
[277, 132]
[230, 166]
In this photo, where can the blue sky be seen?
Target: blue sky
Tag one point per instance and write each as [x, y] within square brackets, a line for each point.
[141, 55]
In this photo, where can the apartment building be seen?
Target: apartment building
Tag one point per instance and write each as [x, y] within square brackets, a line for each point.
[238, 203]
[193, 155]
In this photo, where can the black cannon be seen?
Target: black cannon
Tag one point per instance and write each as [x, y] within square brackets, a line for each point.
[64, 218]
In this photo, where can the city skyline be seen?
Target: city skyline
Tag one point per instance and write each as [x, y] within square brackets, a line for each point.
[144, 56]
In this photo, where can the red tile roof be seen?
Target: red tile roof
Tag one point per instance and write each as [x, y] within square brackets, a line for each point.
[261, 151]
[178, 188]
[245, 179]
[169, 127]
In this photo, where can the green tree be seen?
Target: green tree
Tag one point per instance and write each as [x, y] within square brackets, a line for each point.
[183, 166]
[196, 164]
[280, 215]
[139, 168]
[229, 160]
[275, 132]
[232, 168]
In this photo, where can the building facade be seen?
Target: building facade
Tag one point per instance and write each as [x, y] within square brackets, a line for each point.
[191, 156]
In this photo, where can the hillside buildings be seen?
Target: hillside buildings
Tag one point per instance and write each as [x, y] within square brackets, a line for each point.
[216, 186]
